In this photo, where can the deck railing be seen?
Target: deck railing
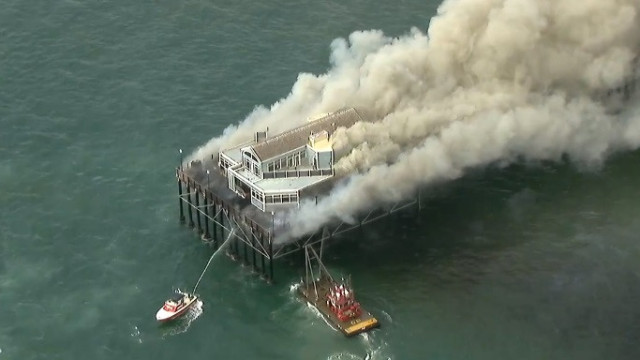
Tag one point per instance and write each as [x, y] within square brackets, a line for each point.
[282, 174]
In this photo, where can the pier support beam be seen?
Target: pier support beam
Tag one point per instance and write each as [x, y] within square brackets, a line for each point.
[263, 270]
[221, 239]
[234, 247]
[215, 226]
[270, 259]
[253, 252]
[198, 209]
[180, 200]
[207, 213]
[190, 206]
[244, 259]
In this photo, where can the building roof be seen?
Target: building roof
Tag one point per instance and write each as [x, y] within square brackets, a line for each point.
[299, 136]
[292, 184]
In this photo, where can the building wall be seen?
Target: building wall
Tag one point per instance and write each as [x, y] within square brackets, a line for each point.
[288, 160]
[325, 159]
[252, 163]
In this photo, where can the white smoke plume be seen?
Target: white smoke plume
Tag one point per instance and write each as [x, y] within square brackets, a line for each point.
[491, 81]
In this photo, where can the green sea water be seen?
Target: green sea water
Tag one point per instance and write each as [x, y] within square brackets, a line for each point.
[96, 98]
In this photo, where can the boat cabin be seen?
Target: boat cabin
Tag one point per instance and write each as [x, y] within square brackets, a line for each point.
[174, 303]
[341, 301]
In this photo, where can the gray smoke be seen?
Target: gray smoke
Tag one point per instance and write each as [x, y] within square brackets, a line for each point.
[493, 81]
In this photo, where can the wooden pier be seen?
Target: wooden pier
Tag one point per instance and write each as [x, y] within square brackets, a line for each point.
[214, 215]
[208, 206]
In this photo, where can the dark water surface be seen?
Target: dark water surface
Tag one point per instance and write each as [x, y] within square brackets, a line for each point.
[97, 96]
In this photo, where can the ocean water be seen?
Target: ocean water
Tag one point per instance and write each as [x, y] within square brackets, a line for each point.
[96, 98]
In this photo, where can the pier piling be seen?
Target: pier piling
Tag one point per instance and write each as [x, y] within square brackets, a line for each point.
[180, 201]
[244, 259]
[263, 270]
[207, 236]
[190, 206]
[253, 251]
[257, 231]
[197, 191]
[270, 259]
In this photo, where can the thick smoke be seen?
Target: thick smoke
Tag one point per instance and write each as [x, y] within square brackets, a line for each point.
[493, 81]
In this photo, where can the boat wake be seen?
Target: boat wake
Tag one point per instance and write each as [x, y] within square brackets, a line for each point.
[136, 334]
[294, 287]
[183, 323]
[373, 350]
[319, 314]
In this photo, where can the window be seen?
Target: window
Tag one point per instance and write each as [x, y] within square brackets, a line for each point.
[257, 195]
[270, 167]
[250, 155]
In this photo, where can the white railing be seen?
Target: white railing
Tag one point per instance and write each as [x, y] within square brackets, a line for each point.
[281, 174]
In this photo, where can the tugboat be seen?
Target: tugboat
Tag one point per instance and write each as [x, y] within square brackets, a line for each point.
[341, 301]
[334, 300]
[176, 306]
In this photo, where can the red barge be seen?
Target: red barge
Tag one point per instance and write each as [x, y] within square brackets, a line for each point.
[334, 300]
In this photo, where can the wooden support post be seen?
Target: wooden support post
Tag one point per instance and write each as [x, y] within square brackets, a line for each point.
[207, 236]
[253, 251]
[245, 261]
[263, 270]
[180, 200]
[303, 252]
[197, 190]
[215, 225]
[270, 258]
[221, 239]
[236, 248]
[190, 205]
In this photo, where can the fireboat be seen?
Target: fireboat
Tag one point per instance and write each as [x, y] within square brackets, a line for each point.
[176, 306]
[335, 300]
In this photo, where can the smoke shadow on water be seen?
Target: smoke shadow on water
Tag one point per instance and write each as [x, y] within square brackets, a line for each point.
[525, 250]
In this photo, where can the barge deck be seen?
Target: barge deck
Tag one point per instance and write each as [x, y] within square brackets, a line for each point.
[351, 327]
[335, 301]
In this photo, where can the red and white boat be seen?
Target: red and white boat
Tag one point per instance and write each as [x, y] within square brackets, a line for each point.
[176, 306]
[342, 302]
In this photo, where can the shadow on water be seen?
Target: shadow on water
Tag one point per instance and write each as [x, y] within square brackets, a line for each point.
[493, 208]
[544, 250]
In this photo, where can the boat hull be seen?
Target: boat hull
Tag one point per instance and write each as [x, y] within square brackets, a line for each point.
[361, 323]
[164, 316]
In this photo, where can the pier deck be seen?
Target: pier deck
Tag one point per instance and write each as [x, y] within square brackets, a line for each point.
[213, 210]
